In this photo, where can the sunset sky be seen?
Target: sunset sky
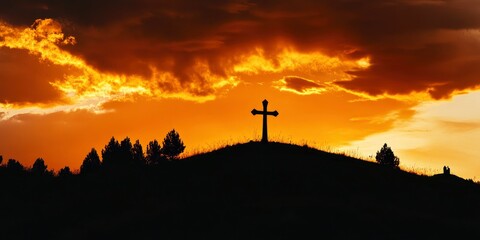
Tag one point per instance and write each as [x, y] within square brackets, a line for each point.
[345, 75]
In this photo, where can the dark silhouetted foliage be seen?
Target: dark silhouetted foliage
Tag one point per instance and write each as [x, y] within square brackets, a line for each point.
[172, 145]
[245, 191]
[91, 163]
[65, 171]
[14, 166]
[126, 153]
[385, 156]
[39, 167]
[154, 152]
[137, 152]
[1, 159]
[111, 154]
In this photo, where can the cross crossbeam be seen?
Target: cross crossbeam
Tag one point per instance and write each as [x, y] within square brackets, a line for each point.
[265, 113]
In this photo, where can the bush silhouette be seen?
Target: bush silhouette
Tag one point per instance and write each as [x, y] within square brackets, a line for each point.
[154, 152]
[65, 172]
[1, 159]
[14, 166]
[385, 156]
[91, 163]
[39, 167]
[172, 145]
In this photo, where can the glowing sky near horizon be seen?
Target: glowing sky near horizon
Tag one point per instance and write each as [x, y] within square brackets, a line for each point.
[344, 75]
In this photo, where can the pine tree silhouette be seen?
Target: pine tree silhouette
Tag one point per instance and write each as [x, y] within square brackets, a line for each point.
[91, 163]
[111, 154]
[125, 152]
[39, 167]
[137, 152]
[154, 152]
[172, 145]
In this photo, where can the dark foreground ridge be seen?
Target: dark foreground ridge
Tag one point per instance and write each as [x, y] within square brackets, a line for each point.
[246, 191]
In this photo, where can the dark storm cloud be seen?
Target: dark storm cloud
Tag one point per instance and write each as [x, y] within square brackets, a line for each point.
[419, 46]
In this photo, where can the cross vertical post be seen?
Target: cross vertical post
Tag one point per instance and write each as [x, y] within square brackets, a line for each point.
[264, 128]
[265, 113]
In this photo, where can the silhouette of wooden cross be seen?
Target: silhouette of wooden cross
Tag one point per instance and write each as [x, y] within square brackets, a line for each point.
[265, 113]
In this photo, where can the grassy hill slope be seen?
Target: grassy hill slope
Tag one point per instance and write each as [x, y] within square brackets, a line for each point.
[245, 191]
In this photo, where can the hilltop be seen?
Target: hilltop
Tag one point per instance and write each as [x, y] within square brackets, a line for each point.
[245, 191]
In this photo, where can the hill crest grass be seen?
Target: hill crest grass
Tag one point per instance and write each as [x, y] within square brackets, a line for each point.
[250, 190]
[303, 143]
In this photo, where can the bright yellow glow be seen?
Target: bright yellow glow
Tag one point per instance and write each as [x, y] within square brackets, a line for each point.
[87, 87]
[42, 39]
[363, 62]
[439, 133]
[329, 69]
[413, 97]
[288, 60]
[282, 85]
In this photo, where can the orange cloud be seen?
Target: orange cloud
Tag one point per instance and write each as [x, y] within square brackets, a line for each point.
[82, 86]
[300, 86]
[23, 79]
[79, 84]
[378, 58]
[178, 49]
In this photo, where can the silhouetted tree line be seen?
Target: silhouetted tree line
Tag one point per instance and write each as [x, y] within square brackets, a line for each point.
[14, 167]
[115, 155]
[124, 155]
[275, 186]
